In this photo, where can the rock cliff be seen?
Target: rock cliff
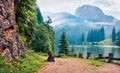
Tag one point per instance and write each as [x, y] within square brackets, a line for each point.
[10, 45]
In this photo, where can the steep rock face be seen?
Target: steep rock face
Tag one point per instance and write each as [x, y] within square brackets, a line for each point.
[10, 45]
[92, 13]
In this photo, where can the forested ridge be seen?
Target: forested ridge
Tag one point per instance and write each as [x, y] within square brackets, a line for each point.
[37, 34]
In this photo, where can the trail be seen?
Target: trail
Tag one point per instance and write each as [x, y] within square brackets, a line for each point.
[73, 65]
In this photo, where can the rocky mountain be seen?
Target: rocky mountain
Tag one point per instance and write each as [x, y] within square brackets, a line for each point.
[10, 45]
[86, 18]
[92, 13]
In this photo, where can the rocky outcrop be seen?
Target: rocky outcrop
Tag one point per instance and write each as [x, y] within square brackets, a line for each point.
[10, 45]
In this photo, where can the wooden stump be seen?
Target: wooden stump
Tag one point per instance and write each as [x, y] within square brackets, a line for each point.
[50, 57]
[110, 57]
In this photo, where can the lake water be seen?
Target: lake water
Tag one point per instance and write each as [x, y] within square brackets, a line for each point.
[95, 50]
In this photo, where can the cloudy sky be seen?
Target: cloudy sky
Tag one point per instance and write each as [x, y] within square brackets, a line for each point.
[109, 7]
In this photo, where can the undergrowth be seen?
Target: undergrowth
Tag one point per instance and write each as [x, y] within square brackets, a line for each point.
[30, 62]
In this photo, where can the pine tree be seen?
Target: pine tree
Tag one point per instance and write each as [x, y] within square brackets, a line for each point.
[91, 36]
[113, 35]
[63, 44]
[118, 39]
[48, 21]
[103, 34]
[96, 35]
[82, 37]
[39, 15]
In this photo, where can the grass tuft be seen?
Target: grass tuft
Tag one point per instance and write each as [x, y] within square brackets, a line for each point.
[97, 63]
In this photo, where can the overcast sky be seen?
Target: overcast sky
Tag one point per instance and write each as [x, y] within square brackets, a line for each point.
[109, 7]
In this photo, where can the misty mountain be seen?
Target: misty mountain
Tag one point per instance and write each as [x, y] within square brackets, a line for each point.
[92, 13]
[85, 18]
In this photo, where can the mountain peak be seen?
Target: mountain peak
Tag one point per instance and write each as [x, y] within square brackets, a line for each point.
[89, 12]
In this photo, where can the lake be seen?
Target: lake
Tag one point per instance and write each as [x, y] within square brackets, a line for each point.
[95, 50]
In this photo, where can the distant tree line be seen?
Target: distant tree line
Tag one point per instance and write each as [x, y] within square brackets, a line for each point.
[115, 37]
[96, 35]
[117, 42]
[82, 38]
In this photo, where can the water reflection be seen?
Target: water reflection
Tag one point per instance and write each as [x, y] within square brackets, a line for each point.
[95, 50]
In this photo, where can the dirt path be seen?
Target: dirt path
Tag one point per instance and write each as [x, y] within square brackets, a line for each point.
[68, 65]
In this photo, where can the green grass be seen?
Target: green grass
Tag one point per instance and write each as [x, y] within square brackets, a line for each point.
[30, 62]
[107, 42]
[97, 63]
[63, 56]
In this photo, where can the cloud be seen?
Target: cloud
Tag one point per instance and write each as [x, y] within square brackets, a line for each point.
[109, 7]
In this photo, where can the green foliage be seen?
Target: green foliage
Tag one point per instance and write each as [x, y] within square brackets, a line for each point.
[38, 35]
[24, 10]
[43, 39]
[39, 15]
[30, 62]
[118, 39]
[63, 44]
[82, 38]
[113, 35]
[96, 63]
[48, 21]
[62, 56]
[95, 35]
